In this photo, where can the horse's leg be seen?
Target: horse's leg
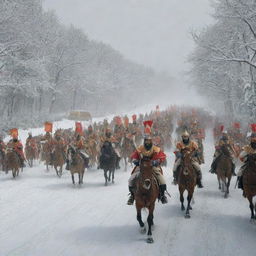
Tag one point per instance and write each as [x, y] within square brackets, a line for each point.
[189, 198]
[182, 199]
[219, 181]
[73, 178]
[113, 176]
[79, 178]
[139, 219]
[60, 172]
[251, 207]
[125, 164]
[106, 177]
[56, 169]
[228, 184]
[150, 223]
[13, 173]
[109, 174]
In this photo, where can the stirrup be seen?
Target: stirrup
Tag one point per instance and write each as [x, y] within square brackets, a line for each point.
[163, 199]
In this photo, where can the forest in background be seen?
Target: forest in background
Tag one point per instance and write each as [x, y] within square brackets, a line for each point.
[224, 61]
[48, 69]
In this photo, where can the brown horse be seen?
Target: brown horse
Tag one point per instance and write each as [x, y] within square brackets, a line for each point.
[46, 154]
[30, 153]
[249, 182]
[127, 147]
[186, 180]
[224, 170]
[146, 194]
[59, 158]
[12, 162]
[77, 164]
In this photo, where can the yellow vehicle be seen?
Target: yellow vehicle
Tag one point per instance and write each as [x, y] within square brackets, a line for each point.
[80, 116]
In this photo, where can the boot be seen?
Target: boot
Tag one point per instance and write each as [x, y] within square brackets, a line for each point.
[131, 198]
[117, 163]
[67, 165]
[199, 180]
[163, 197]
[213, 166]
[199, 183]
[233, 169]
[240, 182]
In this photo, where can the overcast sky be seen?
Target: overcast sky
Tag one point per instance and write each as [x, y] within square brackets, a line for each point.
[151, 32]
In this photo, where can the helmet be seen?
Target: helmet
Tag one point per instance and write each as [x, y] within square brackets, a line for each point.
[253, 137]
[147, 137]
[185, 134]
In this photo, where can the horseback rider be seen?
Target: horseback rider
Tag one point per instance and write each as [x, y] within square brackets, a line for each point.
[17, 146]
[30, 141]
[110, 138]
[157, 157]
[187, 143]
[79, 145]
[224, 141]
[247, 150]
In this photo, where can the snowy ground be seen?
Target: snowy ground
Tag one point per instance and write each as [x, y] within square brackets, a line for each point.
[43, 215]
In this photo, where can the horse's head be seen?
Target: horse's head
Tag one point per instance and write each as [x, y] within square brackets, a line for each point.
[146, 173]
[186, 160]
[252, 160]
[225, 150]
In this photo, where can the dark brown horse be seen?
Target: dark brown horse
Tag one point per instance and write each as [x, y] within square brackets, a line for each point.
[249, 182]
[146, 194]
[108, 162]
[186, 180]
[12, 162]
[224, 170]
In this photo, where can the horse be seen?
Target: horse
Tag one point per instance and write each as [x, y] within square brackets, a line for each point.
[145, 196]
[186, 179]
[46, 154]
[108, 160]
[30, 153]
[224, 170]
[200, 149]
[12, 162]
[2, 159]
[127, 147]
[93, 152]
[77, 164]
[59, 158]
[249, 182]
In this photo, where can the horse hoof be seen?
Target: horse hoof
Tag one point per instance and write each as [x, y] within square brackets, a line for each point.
[187, 216]
[143, 230]
[190, 208]
[150, 240]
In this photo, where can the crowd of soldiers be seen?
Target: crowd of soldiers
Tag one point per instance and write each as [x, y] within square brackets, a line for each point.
[148, 135]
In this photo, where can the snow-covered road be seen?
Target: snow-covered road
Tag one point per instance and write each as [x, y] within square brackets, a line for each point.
[42, 215]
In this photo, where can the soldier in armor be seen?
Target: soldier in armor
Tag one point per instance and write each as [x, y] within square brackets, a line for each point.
[193, 147]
